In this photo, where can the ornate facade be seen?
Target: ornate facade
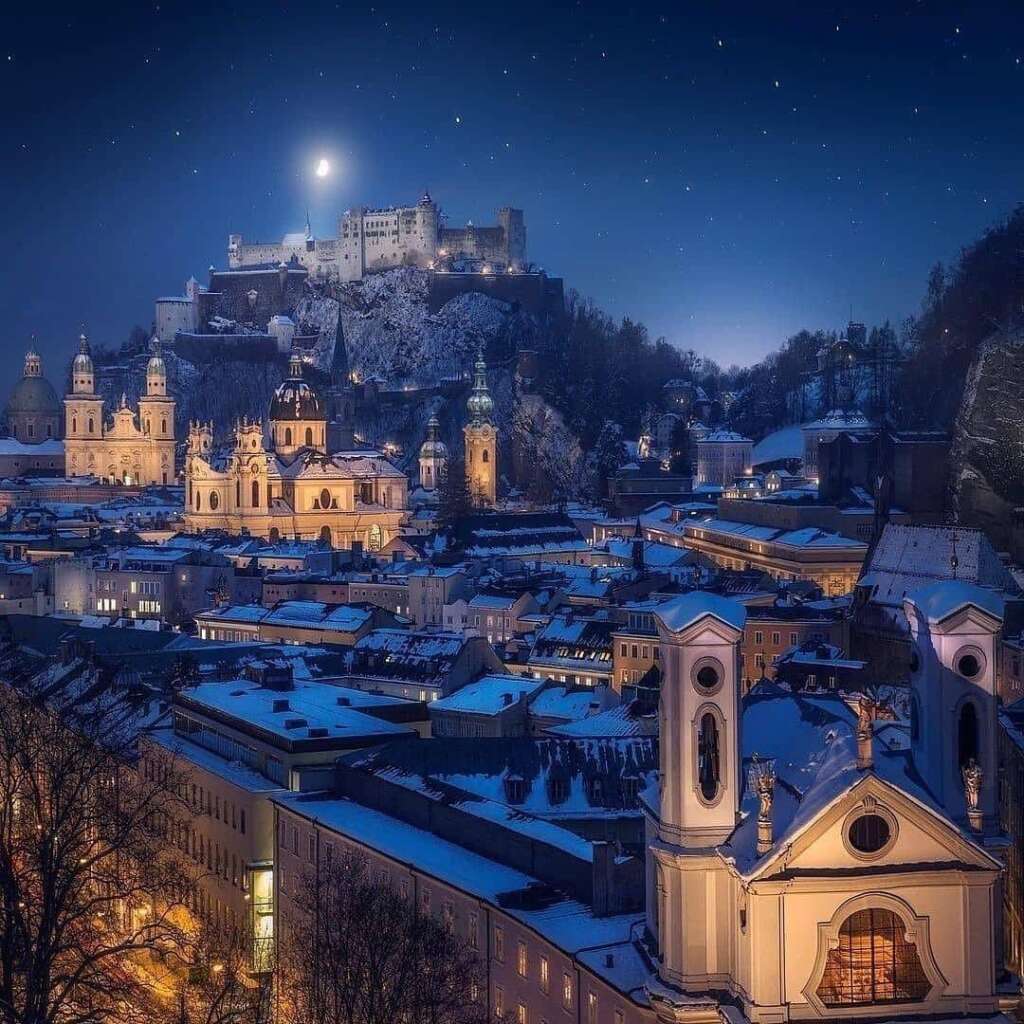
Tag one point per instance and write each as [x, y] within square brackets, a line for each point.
[134, 446]
[294, 488]
[481, 440]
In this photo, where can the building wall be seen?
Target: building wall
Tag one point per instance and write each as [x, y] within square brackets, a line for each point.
[720, 462]
[765, 639]
[515, 958]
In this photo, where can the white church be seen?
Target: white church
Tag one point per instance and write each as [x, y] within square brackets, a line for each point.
[799, 869]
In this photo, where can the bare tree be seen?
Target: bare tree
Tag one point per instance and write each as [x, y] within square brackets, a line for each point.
[90, 886]
[210, 979]
[357, 952]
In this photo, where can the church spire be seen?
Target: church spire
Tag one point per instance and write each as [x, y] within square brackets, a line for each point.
[480, 404]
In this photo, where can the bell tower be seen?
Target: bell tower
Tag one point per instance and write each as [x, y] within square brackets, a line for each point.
[156, 420]
[700, 771]
[481, 440]
[955, 628]
[83, 414]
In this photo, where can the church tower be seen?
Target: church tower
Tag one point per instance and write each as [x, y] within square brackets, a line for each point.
[433, 457]
[83, 416]
[156, 420]
[341, 436]
[481, 440]
[297, 418]
[701, 783]
[955, 628]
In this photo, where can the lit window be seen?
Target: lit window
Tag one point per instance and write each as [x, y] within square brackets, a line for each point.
[567, 991]
[873, 963]
[522, 960]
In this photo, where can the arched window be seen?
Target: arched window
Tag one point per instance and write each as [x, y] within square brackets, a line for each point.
[873, 963]
[255, 494]
[325, 535]
[485, 455]
[238, 493]
[199, 501]
[309, 437]
[74, 424]
[967, 735]
[90, 425]
[274, 536]
[49, 430]
[163, 426]
[149, 426]
[288, 436]
[708, 757]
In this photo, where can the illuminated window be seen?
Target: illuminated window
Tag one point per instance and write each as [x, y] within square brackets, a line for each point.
[873, 963]
[567, 991]
[522, 960]
[544, 974]
[499, 944]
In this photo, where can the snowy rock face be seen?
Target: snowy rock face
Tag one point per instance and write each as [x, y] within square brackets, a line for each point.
[987, 460]
[391, 333]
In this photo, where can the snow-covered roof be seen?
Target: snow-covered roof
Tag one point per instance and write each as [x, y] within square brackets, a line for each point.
[291, 715]
[489, 695]
[686, 609]
[841, 419]
[907, 558]
[787, 443]
[724, 436]
[12, 446]
[937, 601]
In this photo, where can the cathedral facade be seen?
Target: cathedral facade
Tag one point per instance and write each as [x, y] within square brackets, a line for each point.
[294, 488]
[135, 446]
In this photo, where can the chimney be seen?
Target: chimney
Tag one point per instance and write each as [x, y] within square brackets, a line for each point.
[279, 706]
[762, 777]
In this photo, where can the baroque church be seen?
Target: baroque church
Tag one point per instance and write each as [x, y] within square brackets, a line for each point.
[798, 868]
[135, 446]
[311, 483]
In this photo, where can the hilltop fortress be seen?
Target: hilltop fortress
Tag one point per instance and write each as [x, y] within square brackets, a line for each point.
[381, 239]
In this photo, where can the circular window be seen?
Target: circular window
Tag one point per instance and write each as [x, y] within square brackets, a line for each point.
[707, 675]
[968, 665]
[870, 833]
[325, 498]
[707, 678]
[214, 500]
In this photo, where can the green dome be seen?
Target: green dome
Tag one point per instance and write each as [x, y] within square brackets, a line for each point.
[34, 396]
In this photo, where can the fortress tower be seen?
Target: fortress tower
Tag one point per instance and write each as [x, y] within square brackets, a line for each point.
[481, 440]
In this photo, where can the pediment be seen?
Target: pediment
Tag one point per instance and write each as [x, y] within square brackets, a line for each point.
[708, 631]
[918, 835]
[968, 619]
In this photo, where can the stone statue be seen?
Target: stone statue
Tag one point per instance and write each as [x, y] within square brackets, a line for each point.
[973, 777]
[763, 774]
[867, 710]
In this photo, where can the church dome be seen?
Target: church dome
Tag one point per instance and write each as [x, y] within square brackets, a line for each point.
[33, 394]
[433, 446]
[295, 398]
[155, 367]
[83, 361]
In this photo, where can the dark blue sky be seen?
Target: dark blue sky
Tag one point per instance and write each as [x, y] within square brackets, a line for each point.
[726, 173]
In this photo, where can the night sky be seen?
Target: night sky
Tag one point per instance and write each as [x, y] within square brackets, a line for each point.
[726, 173]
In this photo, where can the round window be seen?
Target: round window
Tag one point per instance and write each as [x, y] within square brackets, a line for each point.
[707, 677]
[968, 665]
[325, 498]
[869, 833]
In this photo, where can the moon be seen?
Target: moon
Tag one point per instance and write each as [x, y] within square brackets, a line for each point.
[323, 168]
